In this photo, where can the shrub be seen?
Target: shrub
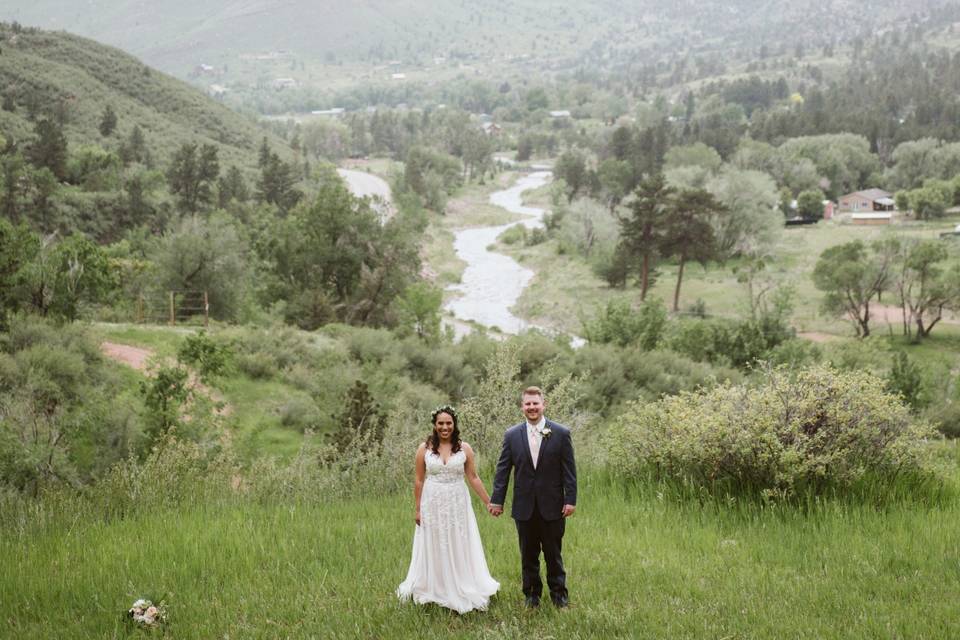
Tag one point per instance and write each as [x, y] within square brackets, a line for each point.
[946, 418]
[739, 343]
[299, 412]
[64, 414]
[255, 366]
[812, 430]
[361, 422]
[612, 376]
[207, 356]
[796, 352]
[906, 380]
[513, 235]
[618, 323]
[869, 354]
[538, 235]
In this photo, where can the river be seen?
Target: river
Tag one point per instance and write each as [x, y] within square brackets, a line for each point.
[492, 282]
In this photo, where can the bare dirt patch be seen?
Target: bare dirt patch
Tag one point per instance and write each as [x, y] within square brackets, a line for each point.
[131, 356]
[137, 357]
[894, 315]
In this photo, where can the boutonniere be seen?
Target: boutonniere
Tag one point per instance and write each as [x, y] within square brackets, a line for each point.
[545, 432]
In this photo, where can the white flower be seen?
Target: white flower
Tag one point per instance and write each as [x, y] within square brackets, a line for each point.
[140, 604]
[545, 432]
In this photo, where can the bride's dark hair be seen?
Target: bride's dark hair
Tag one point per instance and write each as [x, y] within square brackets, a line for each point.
[433, 440]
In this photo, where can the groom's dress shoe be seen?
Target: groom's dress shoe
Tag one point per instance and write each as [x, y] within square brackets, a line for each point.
[560, 602]
[532, 602]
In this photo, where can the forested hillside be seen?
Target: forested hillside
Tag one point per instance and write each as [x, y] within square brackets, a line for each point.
[73, 79]
[177, 36]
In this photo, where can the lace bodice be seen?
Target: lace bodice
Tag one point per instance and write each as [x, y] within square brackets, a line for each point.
[448, 473]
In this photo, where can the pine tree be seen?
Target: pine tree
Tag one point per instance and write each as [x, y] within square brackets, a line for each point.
[688, 232]
[232, 187]
[277, 184]
[361, 423]
[108, 122]
[643, 231]
[50, 148]
[192, 174]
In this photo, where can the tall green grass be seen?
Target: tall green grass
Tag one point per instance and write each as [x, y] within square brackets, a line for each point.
[643, 561]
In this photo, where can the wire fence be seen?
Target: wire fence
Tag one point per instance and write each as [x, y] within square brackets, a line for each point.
[173, 307]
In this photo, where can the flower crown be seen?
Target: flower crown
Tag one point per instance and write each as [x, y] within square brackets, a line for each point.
[444, 408]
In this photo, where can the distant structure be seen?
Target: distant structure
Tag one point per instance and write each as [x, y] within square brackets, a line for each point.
[560, 114]
[491, 129]
[829, 209]
[284, 83]
[868, 200]
[336, 112]
[872, 218]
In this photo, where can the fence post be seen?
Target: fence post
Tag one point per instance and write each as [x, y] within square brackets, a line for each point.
[173, 316]
[206, 310]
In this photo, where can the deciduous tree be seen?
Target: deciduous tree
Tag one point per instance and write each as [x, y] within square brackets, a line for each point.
[851, 277]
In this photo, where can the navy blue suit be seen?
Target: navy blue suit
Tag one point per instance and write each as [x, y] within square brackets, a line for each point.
[538, 498]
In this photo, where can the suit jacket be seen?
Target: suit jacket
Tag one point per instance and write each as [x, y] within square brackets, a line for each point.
[552, 484]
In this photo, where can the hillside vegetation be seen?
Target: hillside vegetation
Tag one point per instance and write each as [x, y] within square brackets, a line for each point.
[73, 79]
[177, 36]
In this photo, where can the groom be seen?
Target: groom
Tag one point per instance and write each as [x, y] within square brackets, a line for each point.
[544, 494]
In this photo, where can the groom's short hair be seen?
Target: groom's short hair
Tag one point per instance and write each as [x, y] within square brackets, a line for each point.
[532, 391]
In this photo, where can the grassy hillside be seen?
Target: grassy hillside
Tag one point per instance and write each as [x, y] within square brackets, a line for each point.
[74, 79]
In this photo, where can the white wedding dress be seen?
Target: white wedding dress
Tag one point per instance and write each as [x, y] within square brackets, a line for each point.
[448, 566]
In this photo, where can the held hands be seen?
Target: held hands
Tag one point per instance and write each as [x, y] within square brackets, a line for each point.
[494, 510]
[568, 510]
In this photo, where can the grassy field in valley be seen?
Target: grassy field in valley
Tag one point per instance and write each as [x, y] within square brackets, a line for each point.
[567, 283]
[640, 565]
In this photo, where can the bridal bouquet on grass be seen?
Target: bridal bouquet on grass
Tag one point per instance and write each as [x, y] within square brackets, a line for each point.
[144, 612]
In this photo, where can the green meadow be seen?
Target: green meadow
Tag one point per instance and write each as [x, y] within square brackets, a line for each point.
[642, 560]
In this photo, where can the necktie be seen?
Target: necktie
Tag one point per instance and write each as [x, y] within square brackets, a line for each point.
[534, 447]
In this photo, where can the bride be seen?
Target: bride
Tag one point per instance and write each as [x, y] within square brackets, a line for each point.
[448, 566]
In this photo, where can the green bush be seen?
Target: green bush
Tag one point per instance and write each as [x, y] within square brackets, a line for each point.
[612, 376]
[538, 235]
[809, 431]
[868, 354]
[262, 354]
[906, 380]
[204, 354]
[513, 235]
[299, 412]
[946, 418]
[618, 323]
[795, 352]
[255, 366]
[65, 413]
[738, 343]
